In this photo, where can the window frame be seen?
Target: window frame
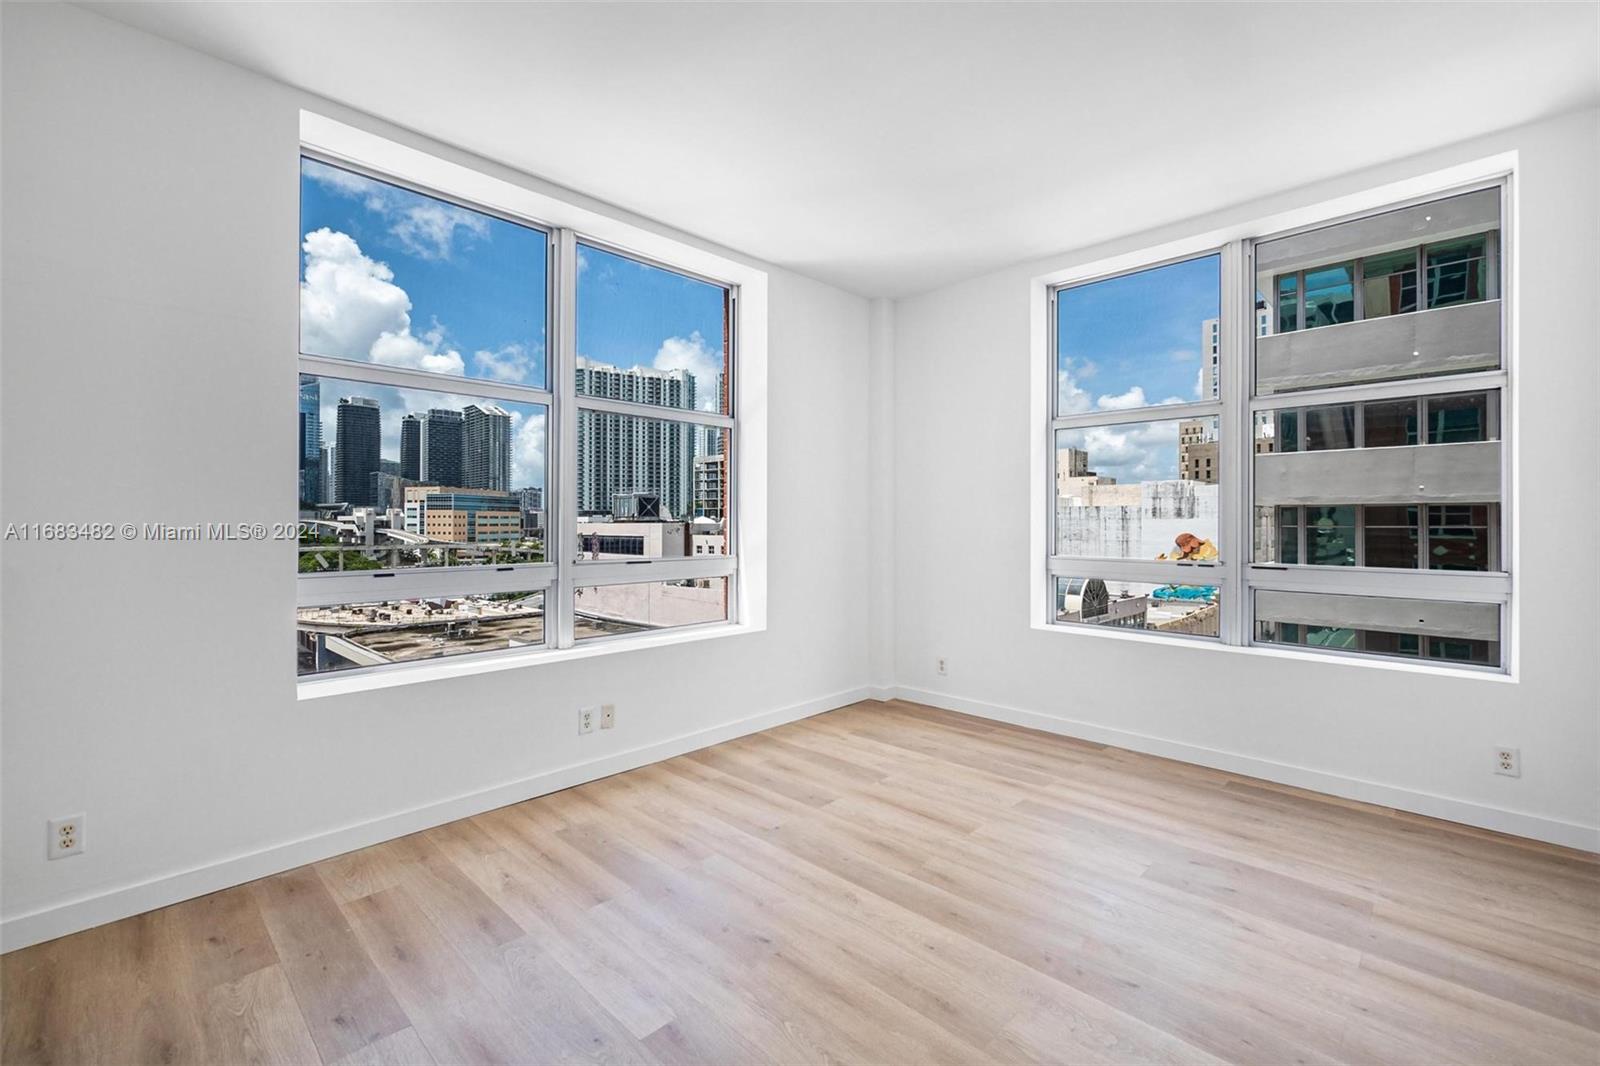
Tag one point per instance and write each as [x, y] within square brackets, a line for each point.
[1147, 571]
[1236, 573]
[474, 186]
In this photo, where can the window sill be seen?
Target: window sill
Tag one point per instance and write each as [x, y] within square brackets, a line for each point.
[1212, 644]
[437, 670]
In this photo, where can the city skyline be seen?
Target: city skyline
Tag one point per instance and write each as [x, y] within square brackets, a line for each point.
[398, 278]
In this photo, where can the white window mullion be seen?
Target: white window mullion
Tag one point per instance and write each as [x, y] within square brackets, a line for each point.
[644, 410]
[420, 583]
[1150, 571]
[1234, 438]
[355, 372]
[562, 522]
[1174, 412]
[640, 571]
[1444, 384]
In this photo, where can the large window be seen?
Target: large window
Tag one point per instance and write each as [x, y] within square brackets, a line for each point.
[1346, 416]
[510, 437]
[1136, 444]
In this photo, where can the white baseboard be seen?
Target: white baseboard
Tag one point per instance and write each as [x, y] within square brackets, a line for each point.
[1532, 826]
[86, 912]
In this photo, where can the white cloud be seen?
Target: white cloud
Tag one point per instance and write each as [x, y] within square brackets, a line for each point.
[1131, 453]
[428, 228]
[692, 354]
[424, 226]
[337, 180]
[1070, 399]
[350, 307]
[527, 451]
[510, 363]
[1134, 397]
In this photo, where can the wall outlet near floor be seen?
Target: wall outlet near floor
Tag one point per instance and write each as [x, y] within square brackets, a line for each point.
[608, 715]
[66, 837]
[1508, 761]
[586, 717]
[941, 667]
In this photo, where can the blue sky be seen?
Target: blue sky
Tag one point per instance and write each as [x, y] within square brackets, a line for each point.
[394, 277]
[467, 282]
[632, 314]
[1135, 332]
[1133, 341]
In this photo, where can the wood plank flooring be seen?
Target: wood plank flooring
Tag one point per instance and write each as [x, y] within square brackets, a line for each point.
[883, 883]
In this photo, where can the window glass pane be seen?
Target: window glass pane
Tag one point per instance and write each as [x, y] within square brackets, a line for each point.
[1381, 625]
[1455, 237]
[1392, 537]
[1460, 537]
[1381, 486]
[1330, 295]
[1459, 418]
[1380, 643]
[1331, 536]
[650, 335]
[1288, 535]
[1288, 431]
[1139, 339]
[1389, 284]
[637, 472]
[352, 635]
[395, 277]
[1330, 427]
[1390, 423]
[1329, 637]
[406, 477]
[1457, 272]
[1277, 535]
[607, 610]
[1190, 609]
[1141, 490]
[1288, 303]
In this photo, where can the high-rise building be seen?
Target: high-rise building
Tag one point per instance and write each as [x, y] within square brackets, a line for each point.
[441, 442]
[1211, 348]
[623, 454]
[411, 447]
[710, 486]
[310, 439]
[330, 479]
[1197, 451]
[360, 440]
[532, 498]
[486, 447]
[640, 384]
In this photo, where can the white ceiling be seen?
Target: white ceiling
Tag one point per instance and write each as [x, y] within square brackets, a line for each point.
[893, 148]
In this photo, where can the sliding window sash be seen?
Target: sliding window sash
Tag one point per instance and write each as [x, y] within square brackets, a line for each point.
[1219, 573]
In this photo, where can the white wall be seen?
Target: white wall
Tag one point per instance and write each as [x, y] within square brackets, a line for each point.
[150, 213]
[1416, 741]
[150, 200]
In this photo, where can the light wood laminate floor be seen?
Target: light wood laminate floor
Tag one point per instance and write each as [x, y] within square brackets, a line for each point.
[883, 883]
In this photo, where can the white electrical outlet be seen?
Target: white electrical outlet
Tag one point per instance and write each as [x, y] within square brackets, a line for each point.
[586, 717]
[608, 715]
[1508, 761]
[942, 667]
[65, 837]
